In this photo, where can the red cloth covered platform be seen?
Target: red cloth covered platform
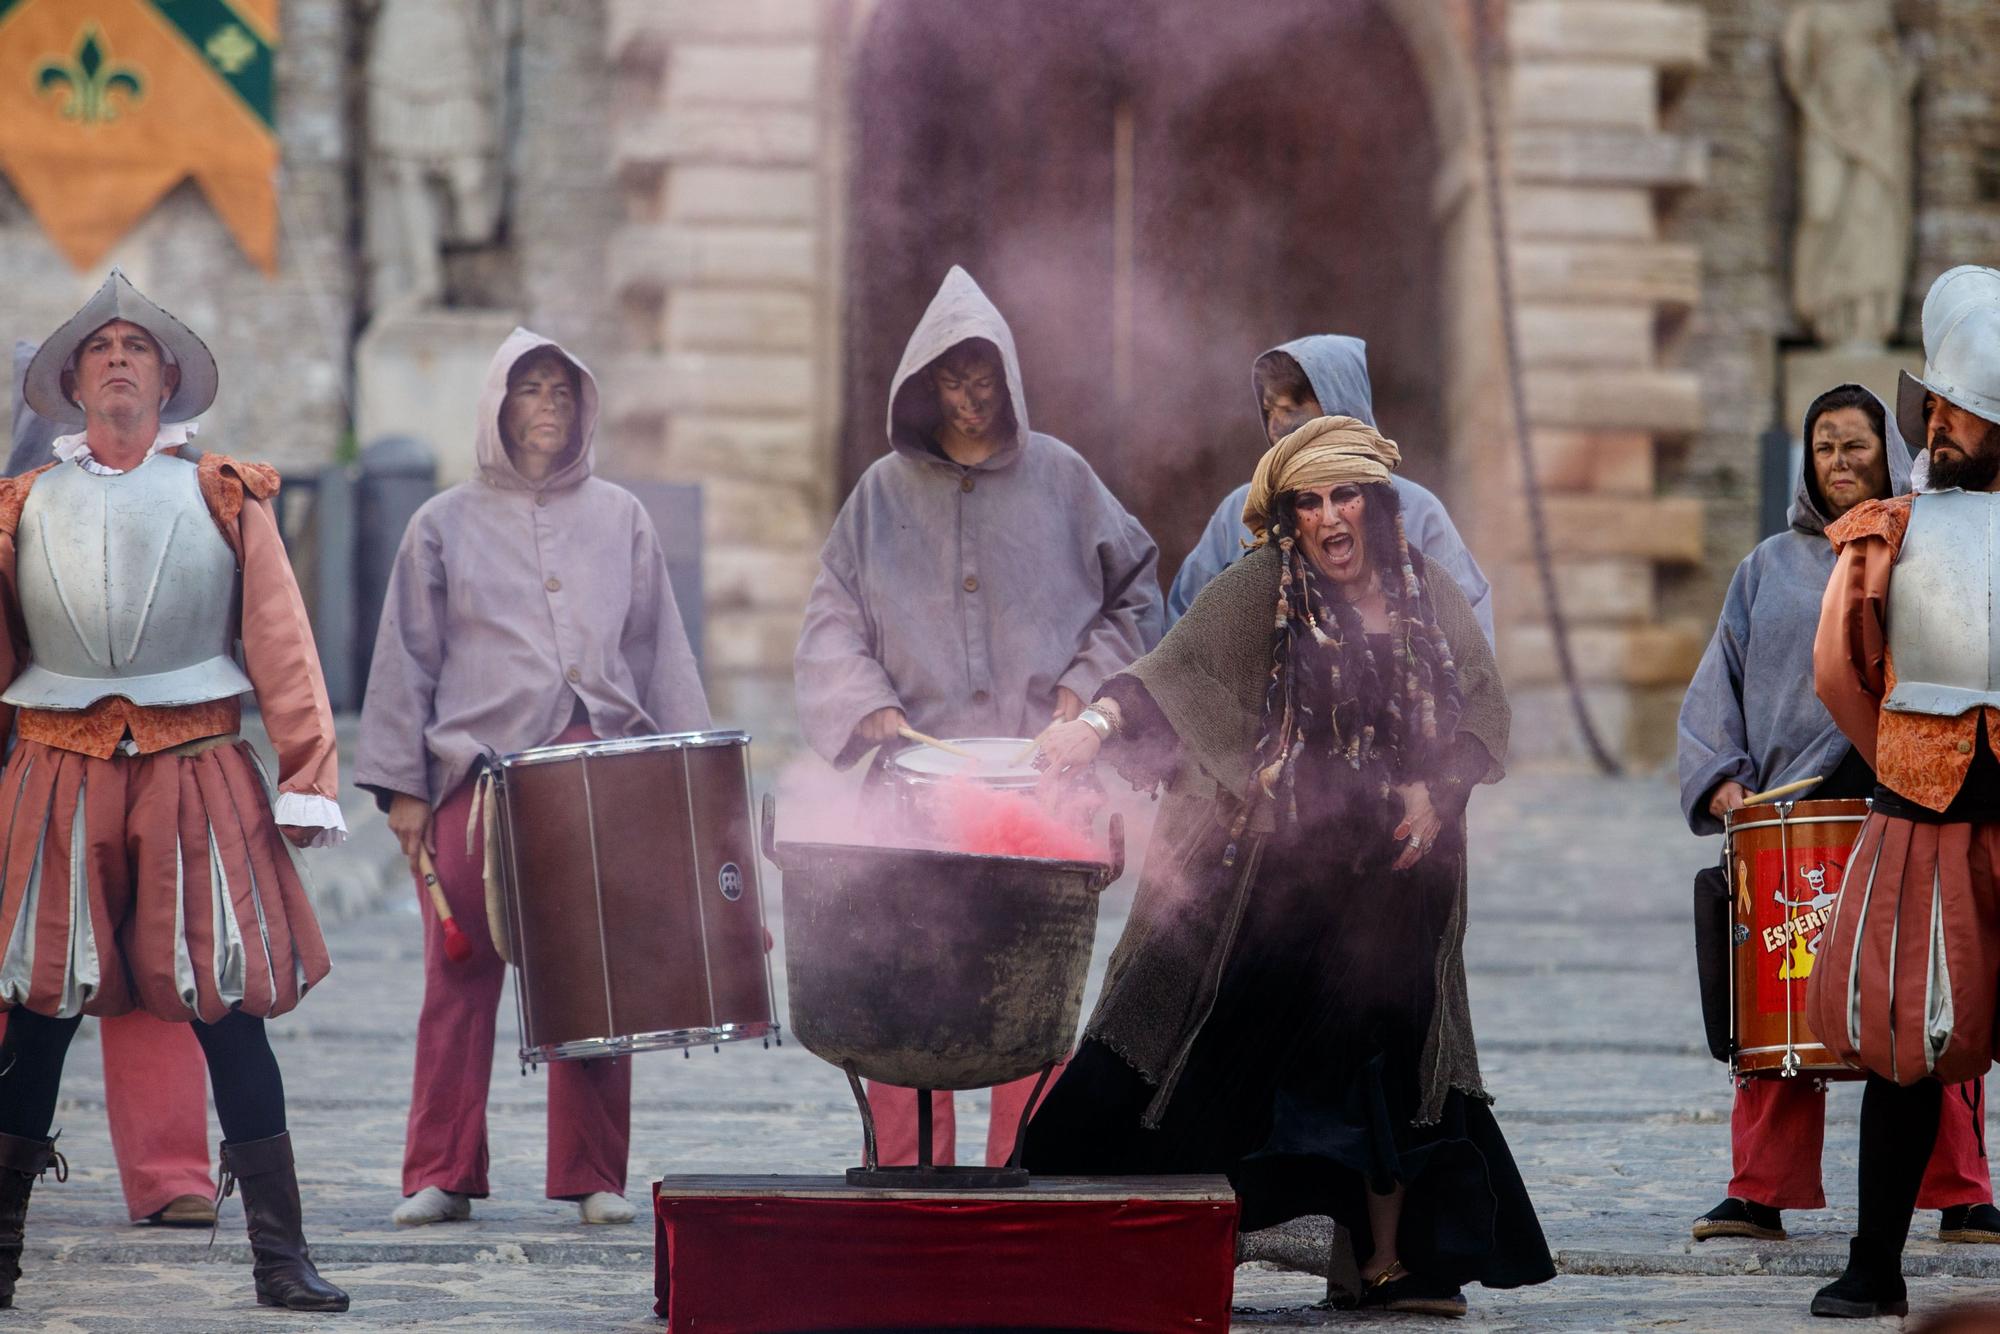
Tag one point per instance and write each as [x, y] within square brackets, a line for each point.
[758, 1255]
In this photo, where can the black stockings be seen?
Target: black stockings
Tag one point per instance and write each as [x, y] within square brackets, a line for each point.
[1898, 1129]
[243, 1071]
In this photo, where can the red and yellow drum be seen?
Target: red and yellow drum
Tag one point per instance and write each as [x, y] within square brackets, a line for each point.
[1786, 861]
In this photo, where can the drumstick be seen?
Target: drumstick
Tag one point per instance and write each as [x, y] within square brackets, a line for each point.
[1025, 754]
[912, 734]
[456, 947]
[1759, 798]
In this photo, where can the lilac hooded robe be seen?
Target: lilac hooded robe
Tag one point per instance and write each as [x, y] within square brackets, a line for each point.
[1750, 713]
[966, 596]
[1337, 366]
[512, 603]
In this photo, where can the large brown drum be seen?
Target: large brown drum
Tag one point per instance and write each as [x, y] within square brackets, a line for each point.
[1786, 861]
[630, 895]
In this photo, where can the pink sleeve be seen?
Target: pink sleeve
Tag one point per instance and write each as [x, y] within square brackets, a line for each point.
[283, 664]
[1850, 652]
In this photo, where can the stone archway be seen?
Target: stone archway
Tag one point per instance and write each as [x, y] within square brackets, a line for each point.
[1153, 195]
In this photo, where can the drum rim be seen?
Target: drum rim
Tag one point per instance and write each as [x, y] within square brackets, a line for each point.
[663, 1039]
[631, 745]
[1781, 814]
[1021, 775]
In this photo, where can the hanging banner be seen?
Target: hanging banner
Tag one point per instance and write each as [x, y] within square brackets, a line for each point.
[106, 105]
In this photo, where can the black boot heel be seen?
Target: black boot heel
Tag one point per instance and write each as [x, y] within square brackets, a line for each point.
[284, 1269]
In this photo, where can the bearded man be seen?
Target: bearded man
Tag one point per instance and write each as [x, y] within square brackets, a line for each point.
[147, 864]
[1909, 968]
[980, 581]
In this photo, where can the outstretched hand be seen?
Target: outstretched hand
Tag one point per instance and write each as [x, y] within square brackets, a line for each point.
[1420, 827]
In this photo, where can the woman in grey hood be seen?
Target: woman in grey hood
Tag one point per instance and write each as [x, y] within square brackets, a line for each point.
[1751, 720]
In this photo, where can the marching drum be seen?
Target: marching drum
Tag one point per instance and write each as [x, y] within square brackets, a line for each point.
[629, 896]
[1785, 863]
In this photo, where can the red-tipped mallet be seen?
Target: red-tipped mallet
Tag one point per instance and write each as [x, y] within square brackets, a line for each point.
[456, 947]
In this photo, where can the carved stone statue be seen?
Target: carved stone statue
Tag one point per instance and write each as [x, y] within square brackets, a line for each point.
[434, 142]
[1851, 248]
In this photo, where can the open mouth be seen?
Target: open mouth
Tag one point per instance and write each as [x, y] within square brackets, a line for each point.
[1339, 548]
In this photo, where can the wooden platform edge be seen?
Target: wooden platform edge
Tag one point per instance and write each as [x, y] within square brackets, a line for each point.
[1194, 1189]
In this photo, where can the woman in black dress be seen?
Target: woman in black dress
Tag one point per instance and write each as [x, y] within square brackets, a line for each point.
[1287, 1004]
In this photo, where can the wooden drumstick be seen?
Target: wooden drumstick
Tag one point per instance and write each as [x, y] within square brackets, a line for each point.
[1759, 798]
[912, 734]
[456, 947]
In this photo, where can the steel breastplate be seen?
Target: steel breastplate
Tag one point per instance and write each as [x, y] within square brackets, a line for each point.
[1944, 636]
[127, 588]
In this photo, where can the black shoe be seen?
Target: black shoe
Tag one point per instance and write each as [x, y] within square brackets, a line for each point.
[1397, 1289]
[1970, 1224]
[284, 1270]
[1871, 1287]
[1741, 1218]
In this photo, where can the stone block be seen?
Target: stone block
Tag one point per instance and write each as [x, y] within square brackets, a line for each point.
[737, 576]
[750, 639]
[1602, 462]
[1660, 273]
[699, 193]
[757, 136]
[1620, 96]
[420, 374]
[1619, 592]
[732, 73]
[1665, 36]
[1576, 334]
[660, 23]
[780, 449]
[675, 254]
[1808, 373]
[757, 382]
[1570, 155]
[1601, 212]
[1666, 402]
[727, 320]
[1663, 529]
[767, 516]
[1634, 655]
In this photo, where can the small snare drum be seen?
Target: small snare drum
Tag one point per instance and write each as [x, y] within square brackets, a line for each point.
[920, 776]
[1786, 862]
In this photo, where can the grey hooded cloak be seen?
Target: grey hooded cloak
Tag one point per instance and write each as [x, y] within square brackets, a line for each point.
[1337, 366]
[966, 596]
[1750, 715]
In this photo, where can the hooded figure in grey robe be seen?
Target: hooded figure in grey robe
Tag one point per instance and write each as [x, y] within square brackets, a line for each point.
[966, 595]
[1751, 715]
[1337, 367]
[517, 605]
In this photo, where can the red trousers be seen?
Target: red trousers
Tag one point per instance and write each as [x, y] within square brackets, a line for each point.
[590, 1102]
[156, 1099]
[895, 1112]
[1778, 1128]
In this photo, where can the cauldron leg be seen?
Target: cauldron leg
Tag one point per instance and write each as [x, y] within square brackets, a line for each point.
[868, 1155]
[923, 1129]
[1027, 1114]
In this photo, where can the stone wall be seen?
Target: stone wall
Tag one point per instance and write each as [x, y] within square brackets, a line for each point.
[281, 342]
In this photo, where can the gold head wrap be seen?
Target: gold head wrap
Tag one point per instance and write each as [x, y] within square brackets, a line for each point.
[1326, 451]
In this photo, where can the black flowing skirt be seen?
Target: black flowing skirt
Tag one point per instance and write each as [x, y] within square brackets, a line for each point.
[1303, 1085]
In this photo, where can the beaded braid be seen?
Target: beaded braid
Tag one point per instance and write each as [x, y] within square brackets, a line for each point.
[1417, 685]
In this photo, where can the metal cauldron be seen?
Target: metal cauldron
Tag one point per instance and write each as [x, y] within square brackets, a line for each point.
[936, 970]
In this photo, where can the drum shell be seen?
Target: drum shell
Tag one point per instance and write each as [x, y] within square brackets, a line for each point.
[630, 884]
[1779, 850]
[920, 799]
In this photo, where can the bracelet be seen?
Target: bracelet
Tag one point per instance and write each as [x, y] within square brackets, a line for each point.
[1097, 723]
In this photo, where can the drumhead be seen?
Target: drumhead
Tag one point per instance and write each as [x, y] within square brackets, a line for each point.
[994, 767]
[622, 746]
[1773, 814]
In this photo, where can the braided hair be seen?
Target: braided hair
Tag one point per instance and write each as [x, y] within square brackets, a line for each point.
[1382, 720]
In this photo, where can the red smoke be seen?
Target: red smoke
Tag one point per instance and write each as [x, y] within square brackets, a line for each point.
[976, 819]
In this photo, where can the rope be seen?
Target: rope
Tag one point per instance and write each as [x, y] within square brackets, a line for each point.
[1487, 54]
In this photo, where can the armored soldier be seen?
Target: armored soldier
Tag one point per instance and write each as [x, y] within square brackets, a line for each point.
[143, 858]
[1905, 660]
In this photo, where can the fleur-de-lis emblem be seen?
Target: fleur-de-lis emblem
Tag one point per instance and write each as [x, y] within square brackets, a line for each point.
[93, 91]
[230, 48]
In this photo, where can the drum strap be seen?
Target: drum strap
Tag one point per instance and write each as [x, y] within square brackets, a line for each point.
[482, 832]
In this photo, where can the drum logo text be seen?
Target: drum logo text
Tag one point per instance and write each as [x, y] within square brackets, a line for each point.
[1799, 933]
[730, 881]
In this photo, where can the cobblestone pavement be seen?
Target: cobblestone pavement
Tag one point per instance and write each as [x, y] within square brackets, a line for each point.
[1583, 993]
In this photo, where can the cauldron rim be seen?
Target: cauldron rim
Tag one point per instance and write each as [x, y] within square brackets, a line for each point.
[786, 849]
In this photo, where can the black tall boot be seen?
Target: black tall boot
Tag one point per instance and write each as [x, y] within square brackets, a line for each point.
[284, 1271]
[21, 1161]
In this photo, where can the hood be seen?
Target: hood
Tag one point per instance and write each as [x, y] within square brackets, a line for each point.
[1808, 512]
[494, 465]
[959, 311]
[1337, 366]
